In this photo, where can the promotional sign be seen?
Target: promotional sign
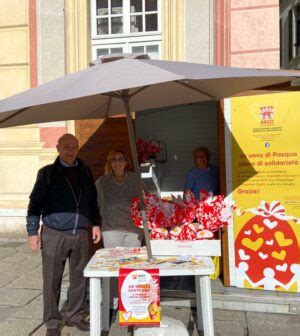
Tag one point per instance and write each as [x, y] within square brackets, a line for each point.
[266, 189]
[139, 297]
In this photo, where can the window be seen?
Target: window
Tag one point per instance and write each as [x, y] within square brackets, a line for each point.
[143, 16]
[290, 34]
[108, 50]
[118, 17]
[297, 26]
[109, 16]
[126, 26]
[150, 48]
[281, 43]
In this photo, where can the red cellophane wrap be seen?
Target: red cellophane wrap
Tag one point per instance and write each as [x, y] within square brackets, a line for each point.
[188, 219]
[159, 233]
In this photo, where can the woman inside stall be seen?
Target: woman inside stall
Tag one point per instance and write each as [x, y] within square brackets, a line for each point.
[116, 190]
[203, 176]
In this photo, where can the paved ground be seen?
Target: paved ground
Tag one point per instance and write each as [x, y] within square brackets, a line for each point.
[21, 304]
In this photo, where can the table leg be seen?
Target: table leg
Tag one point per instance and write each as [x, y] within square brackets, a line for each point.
[198, 301]
[105, 303]
[95, 306]
[206, 304]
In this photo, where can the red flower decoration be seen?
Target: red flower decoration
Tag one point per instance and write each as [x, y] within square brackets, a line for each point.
[147, 149]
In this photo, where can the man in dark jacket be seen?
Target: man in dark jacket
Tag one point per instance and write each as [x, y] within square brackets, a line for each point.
[65, 196]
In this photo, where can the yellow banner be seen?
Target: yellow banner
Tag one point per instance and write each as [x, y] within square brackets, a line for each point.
[266, 183]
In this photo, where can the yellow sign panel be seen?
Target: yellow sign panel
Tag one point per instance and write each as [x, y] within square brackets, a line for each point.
[266, 183]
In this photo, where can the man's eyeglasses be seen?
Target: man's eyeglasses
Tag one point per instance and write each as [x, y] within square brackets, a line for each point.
[120, 160]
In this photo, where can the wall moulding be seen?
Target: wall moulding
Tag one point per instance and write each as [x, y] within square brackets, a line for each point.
[13, 203]
[20, 148]
[12, 212]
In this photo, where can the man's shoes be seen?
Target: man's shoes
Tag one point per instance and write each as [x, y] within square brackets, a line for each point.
[53, 332]
[81, 325]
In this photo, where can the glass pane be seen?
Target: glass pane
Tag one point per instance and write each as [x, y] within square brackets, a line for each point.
[290, 36]
[102, 52]
[102, 7]
[136, 23]
[151, 22]
[136, 6]
[297, 30]
[116, 6]
[102, 26]
[151, 5]
[152, 51]
[137, 50]
[116, 50]
[117, 25]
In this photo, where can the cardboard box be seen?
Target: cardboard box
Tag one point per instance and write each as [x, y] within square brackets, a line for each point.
[203, 248]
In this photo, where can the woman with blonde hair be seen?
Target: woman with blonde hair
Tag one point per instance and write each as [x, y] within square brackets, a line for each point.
[203, 176]
[116, 190]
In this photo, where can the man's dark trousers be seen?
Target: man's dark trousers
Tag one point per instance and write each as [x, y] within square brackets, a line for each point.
[57, 248]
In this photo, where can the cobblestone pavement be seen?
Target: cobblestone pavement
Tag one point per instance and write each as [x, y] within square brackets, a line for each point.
[21, 304]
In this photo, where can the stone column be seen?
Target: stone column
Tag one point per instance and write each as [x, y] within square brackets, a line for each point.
[173, 30]
[77, 33]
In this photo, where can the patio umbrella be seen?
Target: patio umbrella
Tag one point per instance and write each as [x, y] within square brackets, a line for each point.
[124, 83]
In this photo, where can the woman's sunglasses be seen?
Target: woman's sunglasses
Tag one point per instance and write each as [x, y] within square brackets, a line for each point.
[120, 159]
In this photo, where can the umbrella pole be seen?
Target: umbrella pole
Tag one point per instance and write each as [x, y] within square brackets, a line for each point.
[125, 99]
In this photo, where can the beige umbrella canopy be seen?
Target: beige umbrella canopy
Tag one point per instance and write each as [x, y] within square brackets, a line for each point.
[124, 83]
[98, 92]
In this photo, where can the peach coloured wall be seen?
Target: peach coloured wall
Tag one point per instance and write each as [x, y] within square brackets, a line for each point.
[251, 28]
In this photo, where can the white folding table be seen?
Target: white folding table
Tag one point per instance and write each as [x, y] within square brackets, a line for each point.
[106, 263]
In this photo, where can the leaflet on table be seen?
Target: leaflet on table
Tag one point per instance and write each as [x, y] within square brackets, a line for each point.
[122, 252]
[104, 262]
[139, 297]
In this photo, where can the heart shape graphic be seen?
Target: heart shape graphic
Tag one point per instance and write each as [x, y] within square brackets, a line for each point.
[243, 255]
[269, 224]
[126, 315]
[281, 240]
[258, 229]
[263, 256]
[248, 232]
[282, 268]
[270, 242]
[253, 245]
[279, 255]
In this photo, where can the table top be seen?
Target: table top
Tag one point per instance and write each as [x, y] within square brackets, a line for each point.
[107, 262]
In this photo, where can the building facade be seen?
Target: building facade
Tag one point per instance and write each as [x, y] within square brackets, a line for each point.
[44, 40]
[247, 33]
[26, 148]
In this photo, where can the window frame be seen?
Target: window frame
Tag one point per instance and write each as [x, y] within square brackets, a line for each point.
[145, 44]
[106, 46]
[296, 26]
[126, 20]
[289, 27]
[127, 44]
